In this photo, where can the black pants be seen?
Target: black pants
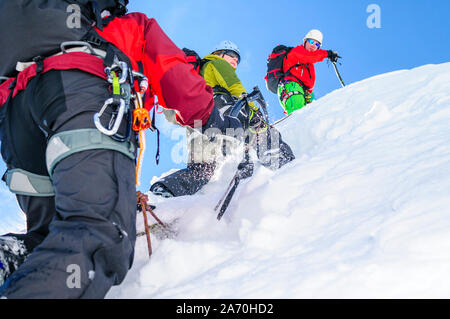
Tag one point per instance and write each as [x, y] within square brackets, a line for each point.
[189, 180]
[82, 239]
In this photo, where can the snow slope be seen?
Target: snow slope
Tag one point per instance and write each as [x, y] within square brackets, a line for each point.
[363, 212]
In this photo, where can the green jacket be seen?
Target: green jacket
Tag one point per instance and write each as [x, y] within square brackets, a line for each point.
[218, 72]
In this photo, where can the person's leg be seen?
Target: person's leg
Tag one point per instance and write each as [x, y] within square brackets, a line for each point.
[43, 209]
[187, 181]
[90, 244]
[291, 96]
[23, 146]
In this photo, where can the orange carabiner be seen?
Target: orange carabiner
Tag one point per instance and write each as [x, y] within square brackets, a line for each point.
[141, 119]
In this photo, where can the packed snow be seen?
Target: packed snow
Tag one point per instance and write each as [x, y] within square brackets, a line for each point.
[363, 211]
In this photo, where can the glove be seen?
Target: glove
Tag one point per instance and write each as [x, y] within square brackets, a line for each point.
[308, 97]
[333, 56]
[142, 198]
[257, 123]
[245, 169]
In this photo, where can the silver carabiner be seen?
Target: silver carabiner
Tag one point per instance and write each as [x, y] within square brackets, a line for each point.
[143, 84]
[117, 122]
[121, 65]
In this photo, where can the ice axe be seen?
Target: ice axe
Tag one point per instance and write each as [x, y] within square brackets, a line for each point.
[245, 168]
[338, 74]
[254, 96]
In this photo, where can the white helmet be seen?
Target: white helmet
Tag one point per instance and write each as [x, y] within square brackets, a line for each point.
[315, 35]
[227, 45]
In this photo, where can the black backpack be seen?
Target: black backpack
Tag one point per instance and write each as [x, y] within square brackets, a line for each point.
[31, 28]
[275, 67]
[193, 58]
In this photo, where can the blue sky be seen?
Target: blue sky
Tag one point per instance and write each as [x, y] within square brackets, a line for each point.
[412, 33]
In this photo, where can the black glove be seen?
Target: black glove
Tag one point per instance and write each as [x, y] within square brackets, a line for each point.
[257, 122]
[308, 97]
[333, 56]
[245, 169]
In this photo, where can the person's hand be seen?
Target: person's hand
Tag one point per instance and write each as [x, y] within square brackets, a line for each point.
[308, 97]
[257, 122]
[245, 169]
[333, 56]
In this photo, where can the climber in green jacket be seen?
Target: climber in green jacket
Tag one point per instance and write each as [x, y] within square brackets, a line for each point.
[219, 71]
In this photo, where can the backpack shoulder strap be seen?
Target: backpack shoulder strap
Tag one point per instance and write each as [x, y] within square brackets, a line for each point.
[202, 64]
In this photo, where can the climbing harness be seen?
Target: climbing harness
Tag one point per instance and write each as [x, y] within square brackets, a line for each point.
[118, 107]
[284, 96]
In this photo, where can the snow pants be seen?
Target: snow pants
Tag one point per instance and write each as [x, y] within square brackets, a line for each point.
[292, 96]
[81, 240]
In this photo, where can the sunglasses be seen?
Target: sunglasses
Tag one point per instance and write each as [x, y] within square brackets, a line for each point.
[233, 55]
[311, 41]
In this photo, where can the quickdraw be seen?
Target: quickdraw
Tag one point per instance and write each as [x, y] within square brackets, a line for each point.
[119, 104]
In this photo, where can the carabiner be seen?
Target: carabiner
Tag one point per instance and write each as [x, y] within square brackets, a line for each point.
[118, 120]
[124, 74]
[143, 83]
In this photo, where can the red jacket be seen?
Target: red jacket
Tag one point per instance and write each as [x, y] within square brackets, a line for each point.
[299, 62]
[171, 77]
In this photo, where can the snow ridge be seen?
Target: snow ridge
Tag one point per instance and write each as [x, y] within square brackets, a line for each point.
[361, 213]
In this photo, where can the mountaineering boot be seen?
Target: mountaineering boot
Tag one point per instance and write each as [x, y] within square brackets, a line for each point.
[161, 190]
[13, 253]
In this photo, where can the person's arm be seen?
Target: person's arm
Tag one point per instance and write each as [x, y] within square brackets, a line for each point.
[304, 56]
[173, 79]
